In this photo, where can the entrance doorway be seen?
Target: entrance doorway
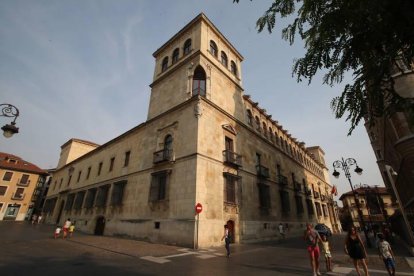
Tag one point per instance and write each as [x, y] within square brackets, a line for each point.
[230, 225]
[100, 226]
[60, 211]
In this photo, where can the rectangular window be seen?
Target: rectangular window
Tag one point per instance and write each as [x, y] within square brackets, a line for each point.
[102, 196]
[90, 198]
[264, 195]
[89, 173]
[25, 179]
[70, 178]
[309, 206]
[69, 202]
[325, 210]
[318, 209]
[79, 200]
[284, 197]
[3, 190]
[118, 192]
[54, 185]
[100, 168]
[230, 195]
[7, 176]
[111, 164]
[158, 189]
[79, 176]
[299, 205]
[126, 160]
[60, 184]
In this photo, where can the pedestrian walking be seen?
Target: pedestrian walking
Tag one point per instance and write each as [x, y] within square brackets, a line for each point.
[226, 238]
[71, 229]
[282, 230]
[386, 254]
[34, 219]
[66, 226]
[326, 249]
[312, 239]
[57, 232]
[39, 219]
[286, 227]
[355, 248]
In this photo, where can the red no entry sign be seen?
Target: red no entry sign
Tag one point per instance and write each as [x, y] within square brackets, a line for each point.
[198, 208]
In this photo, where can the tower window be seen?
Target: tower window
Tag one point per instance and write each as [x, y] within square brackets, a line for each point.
[175, 55]
[233, 68]
[187, 47]
[224, 60]
[199, 82]
[213, 48]
[164, 65]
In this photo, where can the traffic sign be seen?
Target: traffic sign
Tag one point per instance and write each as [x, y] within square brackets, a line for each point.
[198, 208]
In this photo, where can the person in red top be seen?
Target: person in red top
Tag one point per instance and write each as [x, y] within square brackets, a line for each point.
[312, 239]
[66, 226]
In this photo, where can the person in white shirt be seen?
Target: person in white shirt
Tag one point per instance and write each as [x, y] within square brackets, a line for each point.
[386, 254]
[66, 226]
[282, 230]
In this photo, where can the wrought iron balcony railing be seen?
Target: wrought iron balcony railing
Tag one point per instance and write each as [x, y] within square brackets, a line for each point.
[282, 180]
[297, 186]
[262, 171]
[163, 156]
[232, 158]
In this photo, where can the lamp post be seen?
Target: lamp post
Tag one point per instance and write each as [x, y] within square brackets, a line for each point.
[8, 110]
[344, 165]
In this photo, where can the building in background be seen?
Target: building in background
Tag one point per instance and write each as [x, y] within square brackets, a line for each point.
[392, 139]
[376, 205]
[205, 141]
[18, 182]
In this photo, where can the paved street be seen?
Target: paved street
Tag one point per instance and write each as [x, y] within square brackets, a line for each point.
[31, 250]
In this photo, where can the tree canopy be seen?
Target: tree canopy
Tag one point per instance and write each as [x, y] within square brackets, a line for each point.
[373, 40]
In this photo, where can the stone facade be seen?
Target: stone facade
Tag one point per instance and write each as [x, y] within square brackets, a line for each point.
[392, 139]
[204, 141]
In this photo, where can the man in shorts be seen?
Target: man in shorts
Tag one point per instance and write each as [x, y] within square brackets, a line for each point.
[312, 239]
[386, 254]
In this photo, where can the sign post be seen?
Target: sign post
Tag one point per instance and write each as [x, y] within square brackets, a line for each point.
[198, 210]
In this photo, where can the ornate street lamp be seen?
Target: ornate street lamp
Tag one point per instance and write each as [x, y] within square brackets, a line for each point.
[8, 110]
[344, 165]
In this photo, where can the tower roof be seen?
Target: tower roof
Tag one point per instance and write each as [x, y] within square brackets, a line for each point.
[198, 18]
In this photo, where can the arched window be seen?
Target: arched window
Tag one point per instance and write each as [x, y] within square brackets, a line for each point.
[264, 130]
[168, 142]
[164, 65]
[257, 123]
[249, 117]
[270, 134]
[224, 59]
[233, 68]
[277, 139]
[175, 55]
[199, 82]
[187, 47]
[213, 48]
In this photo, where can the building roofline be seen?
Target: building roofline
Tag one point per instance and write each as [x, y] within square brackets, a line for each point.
[198, 18]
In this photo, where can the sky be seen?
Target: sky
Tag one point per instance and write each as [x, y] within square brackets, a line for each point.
[82, 69]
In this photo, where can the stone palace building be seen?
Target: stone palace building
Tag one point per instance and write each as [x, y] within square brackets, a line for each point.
[204, 141]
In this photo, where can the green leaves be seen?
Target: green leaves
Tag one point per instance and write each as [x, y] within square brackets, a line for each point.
[363, 37]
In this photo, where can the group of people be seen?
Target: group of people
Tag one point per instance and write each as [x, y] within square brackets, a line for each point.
[37, 219]
[68, 229]
[353, 247]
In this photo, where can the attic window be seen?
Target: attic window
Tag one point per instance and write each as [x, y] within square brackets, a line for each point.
[13, 161]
